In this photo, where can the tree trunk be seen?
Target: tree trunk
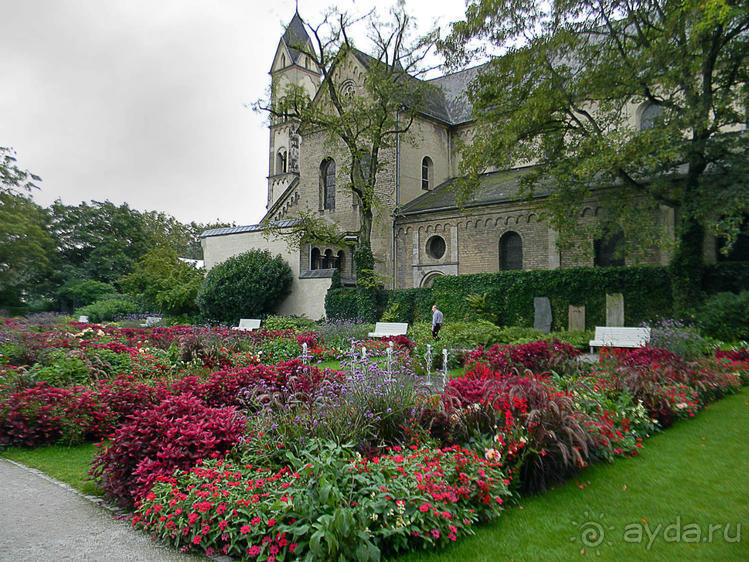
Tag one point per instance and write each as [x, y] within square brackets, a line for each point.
[687, 267]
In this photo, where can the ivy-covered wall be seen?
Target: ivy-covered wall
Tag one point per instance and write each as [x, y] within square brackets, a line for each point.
[506, 298]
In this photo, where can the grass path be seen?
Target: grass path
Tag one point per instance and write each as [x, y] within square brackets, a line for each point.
[693, 475]
[67, 464]
[697, 472]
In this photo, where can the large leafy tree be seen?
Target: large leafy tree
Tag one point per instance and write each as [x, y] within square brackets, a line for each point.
[25, 246]
[103, 241]
[561, 95]
[365, 120]
[164, 282]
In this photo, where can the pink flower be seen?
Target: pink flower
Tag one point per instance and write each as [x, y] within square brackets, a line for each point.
[271, 522]
[253, 550]
[245, 529]
[435, 533]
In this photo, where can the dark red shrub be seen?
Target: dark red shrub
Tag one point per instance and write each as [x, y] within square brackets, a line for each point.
[44, 415]
[172, 435]
[401, 342]
[733, 355]
[125, 395]
[538, 357]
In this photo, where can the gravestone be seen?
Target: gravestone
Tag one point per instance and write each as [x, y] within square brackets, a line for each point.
[542, 314]
[615, 309]
[576, 317]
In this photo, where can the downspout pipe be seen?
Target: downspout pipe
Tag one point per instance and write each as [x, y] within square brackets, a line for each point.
[397, 196]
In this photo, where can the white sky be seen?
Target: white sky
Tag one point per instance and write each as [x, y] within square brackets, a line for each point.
[142, 101]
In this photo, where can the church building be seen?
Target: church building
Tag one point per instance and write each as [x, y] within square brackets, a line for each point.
[421, 231]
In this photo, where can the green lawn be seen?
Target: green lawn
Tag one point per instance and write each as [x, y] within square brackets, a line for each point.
[694, 473]
[68, 464]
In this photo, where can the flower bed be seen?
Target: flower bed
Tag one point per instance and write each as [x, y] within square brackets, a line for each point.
[277, 459]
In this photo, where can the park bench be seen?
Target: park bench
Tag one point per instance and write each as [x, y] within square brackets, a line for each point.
[616, 336]
[385, 329]
[248, 324]
[83, 319]
[151, 321]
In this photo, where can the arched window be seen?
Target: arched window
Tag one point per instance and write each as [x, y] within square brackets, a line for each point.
[328, 261]
[650, 114]
[340, 263]
[314, 259]
[281, 161]
[283, 60]
[607, 251]
[510, 251]
[429, 278]
[327, 171]
[427, 172]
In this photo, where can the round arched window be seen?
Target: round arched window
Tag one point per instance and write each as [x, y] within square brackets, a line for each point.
[436, 247]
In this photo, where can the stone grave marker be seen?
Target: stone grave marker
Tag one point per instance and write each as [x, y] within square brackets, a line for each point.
[615, 309]
[576, 317]
[542, 314]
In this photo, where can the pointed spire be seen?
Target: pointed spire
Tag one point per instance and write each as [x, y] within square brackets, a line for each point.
[296, 35]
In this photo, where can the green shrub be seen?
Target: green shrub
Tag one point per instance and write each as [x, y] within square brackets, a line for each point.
[299, 323]
[81, 292]
[725, 316]
[250, 285]
[105, 309]
[60, 369]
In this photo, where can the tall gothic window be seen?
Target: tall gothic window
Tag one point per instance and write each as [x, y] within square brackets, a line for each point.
[427, 171]
[327, 171]
[510, 251]
[314, 259]
[281, 162]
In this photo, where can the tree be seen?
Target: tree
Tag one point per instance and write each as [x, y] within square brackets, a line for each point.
[561, 94]
[249, 285]
[367, 120]
[25, 246]
[164, 282]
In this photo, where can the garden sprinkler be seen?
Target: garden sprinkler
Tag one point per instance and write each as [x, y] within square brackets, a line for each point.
[428, 358]
[390, 358]
[444, 367]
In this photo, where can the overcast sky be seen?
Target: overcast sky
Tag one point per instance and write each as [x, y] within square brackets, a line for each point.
[142, 101]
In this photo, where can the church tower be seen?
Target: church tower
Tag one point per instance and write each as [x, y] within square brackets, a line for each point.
[290, 66]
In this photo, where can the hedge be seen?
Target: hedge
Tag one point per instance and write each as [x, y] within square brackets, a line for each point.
[507, 296]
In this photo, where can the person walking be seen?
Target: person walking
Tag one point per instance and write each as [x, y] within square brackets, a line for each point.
[437, 320]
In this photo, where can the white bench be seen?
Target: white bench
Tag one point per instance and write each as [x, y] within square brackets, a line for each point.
[248, 324]
[385, 329]
[615, 336]
[151, 321]
[83, 319]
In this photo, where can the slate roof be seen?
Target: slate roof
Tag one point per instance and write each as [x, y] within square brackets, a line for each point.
[494, 187]
[454, 89]
[248, 228]
[295, 34]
